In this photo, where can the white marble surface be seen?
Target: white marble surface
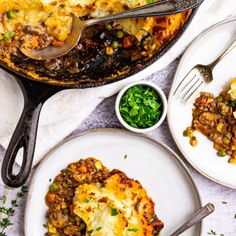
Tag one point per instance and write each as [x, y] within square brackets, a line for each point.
[223, 221]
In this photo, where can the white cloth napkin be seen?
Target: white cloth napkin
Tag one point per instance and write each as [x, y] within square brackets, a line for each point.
[64, 112]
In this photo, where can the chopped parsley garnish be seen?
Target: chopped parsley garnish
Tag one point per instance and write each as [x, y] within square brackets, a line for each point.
[99, 228]
[137, 206]
[114, 212]
[141, 107]
[90, 231]
[86, 200]
[65, 185]
[133, 230]
[45, 226]
[211, 232]
[151, 220]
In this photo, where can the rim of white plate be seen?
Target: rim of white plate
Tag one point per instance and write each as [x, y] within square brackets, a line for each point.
[170, 97]
[79, 134]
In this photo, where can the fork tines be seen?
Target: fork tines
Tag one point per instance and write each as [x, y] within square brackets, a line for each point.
[189, 85]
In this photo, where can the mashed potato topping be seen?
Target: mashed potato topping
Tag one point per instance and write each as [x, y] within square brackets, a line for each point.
[88, 199]
[112, 49]
[120, 206]
[56, 14]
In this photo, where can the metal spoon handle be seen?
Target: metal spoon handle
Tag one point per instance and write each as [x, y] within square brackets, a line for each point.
[160, 8]
[197, 217]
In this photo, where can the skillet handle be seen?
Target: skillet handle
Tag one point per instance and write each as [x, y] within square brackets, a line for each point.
[24, 137]
[35, 94]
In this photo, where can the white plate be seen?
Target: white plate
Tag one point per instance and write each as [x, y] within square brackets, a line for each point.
[204, 50]
[159, 170]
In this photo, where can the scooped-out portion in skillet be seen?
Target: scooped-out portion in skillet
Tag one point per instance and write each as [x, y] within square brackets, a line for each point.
[111, 50]
[88, 199]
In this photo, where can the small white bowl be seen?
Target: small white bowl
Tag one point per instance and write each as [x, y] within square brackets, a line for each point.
[163, 100]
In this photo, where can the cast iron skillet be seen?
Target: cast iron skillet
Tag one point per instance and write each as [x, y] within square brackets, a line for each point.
[35, 93]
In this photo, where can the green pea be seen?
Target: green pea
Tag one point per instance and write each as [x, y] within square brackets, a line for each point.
[115, 44]
[11, 14]
[150, 1]
[108, 27]
[120, 34]
[221, 153]
[53, 188]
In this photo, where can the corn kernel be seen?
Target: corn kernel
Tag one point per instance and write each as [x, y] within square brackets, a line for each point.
[220, 127]
[63, 205]
[52, 229]
[109, 51]
[232, 161]
[98, 165]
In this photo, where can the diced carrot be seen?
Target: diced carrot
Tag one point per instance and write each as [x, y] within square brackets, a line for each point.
[82, 169]
[71, 209]
[56, 43]
[127, 42]
[50, 197]
[234, 141]
[35, 41]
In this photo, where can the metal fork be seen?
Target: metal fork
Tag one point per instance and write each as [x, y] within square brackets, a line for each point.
[197, 77]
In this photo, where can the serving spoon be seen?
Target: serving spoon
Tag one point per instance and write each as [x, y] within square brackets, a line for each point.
[160, 8]
[196, 218]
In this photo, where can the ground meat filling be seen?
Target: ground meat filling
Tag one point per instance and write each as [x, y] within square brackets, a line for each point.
[106, 200]
[213, 117]
[106, 48]
[59, 199]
